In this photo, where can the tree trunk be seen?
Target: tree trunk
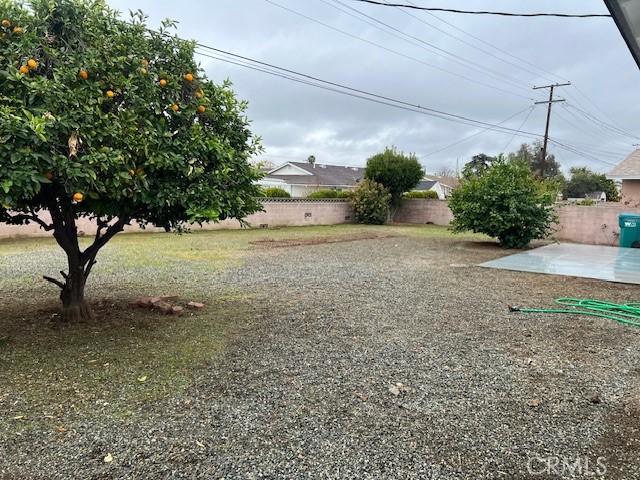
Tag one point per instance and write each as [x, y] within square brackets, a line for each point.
[74, 306]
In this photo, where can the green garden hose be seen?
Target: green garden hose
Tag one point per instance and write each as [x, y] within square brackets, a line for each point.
[627, 313]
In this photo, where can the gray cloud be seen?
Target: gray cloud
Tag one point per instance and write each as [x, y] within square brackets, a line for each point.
[297, 120]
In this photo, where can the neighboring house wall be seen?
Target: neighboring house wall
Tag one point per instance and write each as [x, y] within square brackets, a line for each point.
[631, 192]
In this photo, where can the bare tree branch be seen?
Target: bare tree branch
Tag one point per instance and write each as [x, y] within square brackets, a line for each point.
[55, 282]
[31, 218]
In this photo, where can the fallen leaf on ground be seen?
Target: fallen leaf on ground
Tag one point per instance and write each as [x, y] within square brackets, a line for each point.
[108, 458]
[142, 379]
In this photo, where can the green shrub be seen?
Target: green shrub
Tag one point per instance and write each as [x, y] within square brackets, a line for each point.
[506, 202]
[422, 194]
[371, 203]
[323, 194]
[276, 192]
[330, 194]
[587, 202]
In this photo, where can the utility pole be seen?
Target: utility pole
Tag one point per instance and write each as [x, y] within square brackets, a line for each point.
[549, 102]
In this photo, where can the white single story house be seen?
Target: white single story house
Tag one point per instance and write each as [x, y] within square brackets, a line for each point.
[300, 179]
[441, 185]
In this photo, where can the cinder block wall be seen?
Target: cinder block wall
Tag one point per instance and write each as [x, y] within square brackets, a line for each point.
[420, 210]
[278, 213]
[597, 225]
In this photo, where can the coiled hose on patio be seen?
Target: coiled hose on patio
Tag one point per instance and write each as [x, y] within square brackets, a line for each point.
[627, 313]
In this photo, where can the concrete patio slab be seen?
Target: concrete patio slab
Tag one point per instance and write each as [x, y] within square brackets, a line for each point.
[613, 264]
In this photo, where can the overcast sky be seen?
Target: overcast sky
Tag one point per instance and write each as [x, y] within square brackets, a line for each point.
[296, 120]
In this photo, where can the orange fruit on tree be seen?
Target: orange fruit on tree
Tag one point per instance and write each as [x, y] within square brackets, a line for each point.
[143, 71]
[175, 107]
[24, 69]
[83, 74]
[110, 93]
[163, 83]
[6, 23]
[32, 63]
[199, 94]
[49, 176]
[17, 30]
[132, 172]
[188, 77]
[78, 197]
[145, 62]
[201, 109]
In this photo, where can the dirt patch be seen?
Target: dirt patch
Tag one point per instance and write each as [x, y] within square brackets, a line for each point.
[297, 242]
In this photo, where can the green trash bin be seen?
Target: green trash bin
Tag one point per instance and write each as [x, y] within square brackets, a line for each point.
[629, 230]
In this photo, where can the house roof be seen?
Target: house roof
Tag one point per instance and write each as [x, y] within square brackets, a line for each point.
[320, 174]
[594, 195]
[425, 185]
[626, 15]
[452, 182]
[629, 168]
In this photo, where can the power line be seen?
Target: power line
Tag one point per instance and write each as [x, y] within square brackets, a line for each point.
[465, 42]
[395, 52]
[602, 123]
[427, 46]
[581, 129]
[519, 129]
[486, 12]
[489, 44]
[475, 134]
[352, 91]
[380, 99]
[596, 106]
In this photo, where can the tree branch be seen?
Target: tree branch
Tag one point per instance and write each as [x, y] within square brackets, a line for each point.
[89, 255]
[31, 218]
[55, 282]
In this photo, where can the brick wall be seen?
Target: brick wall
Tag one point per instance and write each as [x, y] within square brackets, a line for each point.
[278, 213]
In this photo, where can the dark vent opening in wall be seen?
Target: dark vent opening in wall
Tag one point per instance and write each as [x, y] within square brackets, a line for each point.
[264, 225]
[347, 217]
[307, 215]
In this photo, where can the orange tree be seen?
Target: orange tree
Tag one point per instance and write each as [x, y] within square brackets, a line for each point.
[107, 120]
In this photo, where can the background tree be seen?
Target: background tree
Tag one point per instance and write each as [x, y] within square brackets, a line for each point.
[104, 119]
[583, 181]
[506, 202]
[477, 165]
[394, 170]
[371, 203]
[532, 156]
[445, 171]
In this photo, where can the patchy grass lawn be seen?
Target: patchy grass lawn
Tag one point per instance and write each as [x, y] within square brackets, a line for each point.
[52, 374]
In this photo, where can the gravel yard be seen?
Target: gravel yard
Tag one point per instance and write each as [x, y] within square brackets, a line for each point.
[323, 352]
